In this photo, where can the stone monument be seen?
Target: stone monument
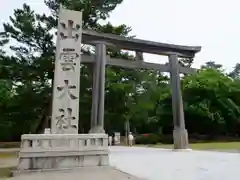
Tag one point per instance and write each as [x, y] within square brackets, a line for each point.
[67, 73]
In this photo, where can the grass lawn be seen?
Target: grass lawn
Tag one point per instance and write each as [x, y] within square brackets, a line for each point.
[4, 160]
[205, 146]
[217, 146]
[4, 155]
[5, 172]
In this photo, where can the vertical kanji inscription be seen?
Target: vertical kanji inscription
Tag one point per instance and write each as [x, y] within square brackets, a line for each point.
[67, 73]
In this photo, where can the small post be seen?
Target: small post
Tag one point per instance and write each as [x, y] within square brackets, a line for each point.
[180, 134]
[139, 56]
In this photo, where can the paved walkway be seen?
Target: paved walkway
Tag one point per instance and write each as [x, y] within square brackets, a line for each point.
[163, 164]
[79, 174]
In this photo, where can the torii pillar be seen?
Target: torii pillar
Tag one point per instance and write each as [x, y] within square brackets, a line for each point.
[180, 134]
[98, 90]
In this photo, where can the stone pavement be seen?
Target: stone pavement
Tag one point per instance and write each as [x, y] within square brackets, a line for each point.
[162, 164]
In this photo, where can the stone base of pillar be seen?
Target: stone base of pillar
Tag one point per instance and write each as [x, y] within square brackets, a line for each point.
[97, 129]
[180, 139]
[182, 150]
[42, 152]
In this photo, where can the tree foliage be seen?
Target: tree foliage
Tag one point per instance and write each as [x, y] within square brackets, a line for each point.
[142, 97]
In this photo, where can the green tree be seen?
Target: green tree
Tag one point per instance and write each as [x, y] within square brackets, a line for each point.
[209, 103]
[235, 74]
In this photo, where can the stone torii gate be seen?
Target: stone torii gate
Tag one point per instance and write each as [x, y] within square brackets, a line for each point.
[100, 60]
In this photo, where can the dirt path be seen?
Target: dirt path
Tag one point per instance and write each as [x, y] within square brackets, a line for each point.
[8, 157]
[9, 150]
[8, 162]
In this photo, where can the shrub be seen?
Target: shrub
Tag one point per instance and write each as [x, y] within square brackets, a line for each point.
[166, 139]
[147, 139]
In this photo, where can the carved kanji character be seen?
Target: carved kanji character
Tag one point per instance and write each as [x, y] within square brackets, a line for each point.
[67, 90]
[64, 120]
[67, 61]
[71, 31]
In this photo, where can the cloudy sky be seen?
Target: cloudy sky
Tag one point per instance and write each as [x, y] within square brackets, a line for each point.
[212, 24]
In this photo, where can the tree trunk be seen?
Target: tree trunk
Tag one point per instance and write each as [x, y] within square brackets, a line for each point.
[127, 130]
[45, 120]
